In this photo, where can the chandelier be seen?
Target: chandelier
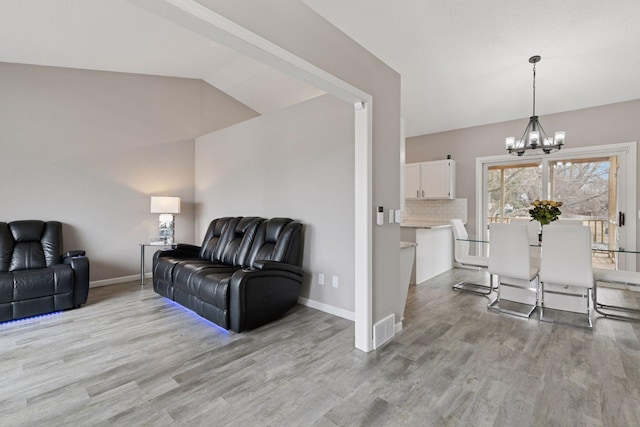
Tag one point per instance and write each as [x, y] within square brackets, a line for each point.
[534, 136]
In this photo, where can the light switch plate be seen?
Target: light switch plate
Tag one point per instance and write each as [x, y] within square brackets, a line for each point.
[398, 215]
[334, 281]
[391, 216]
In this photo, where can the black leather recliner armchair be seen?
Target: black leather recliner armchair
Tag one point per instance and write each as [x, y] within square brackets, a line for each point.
[35, 277]
[246, 273]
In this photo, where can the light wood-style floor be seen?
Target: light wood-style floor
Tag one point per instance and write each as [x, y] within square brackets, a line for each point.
[130, 357]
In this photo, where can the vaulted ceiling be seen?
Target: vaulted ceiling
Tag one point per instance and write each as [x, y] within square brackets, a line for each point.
[463, 62]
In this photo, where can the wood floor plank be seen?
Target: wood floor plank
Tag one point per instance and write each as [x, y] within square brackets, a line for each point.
[130, 357]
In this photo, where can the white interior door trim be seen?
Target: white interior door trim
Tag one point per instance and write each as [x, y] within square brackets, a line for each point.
[202, 20]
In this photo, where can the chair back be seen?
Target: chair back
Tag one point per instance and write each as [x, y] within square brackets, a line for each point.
[509, 250]
[534, 242]
[278, 239]
[532, 229]
[461, 248]
[236, 241]
[566, 255]
[30, 244]
[213, 236]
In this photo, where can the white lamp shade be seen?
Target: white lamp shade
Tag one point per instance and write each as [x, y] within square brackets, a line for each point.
[170, 205]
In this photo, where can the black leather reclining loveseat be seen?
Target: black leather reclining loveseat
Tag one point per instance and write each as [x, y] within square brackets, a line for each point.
[246, 273]
[35, 277]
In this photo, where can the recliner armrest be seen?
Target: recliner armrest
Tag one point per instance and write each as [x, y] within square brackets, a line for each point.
[180, 250]
[70, 254]
[275, 265]
[80, 266]
[259, 296]
[187, 247]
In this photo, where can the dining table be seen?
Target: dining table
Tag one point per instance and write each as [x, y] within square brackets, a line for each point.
[613, 276]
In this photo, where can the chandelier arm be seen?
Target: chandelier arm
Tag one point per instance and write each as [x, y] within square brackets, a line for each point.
[525, 135]
[543, 134]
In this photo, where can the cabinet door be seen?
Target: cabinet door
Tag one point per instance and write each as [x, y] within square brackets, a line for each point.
[412, 181]
[436, 180]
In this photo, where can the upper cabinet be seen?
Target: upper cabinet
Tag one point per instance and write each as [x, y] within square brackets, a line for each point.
[430, 180]
[412, 188]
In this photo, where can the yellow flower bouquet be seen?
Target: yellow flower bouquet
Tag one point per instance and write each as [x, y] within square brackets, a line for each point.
[545, 211]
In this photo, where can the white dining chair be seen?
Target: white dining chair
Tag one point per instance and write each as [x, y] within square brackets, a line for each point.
[566, 273]
[510, 262]
[533, 230]
[616, 277]
[464, 260]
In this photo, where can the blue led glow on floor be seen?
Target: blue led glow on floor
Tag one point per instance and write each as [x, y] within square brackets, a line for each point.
[197, 316]
[29, 320]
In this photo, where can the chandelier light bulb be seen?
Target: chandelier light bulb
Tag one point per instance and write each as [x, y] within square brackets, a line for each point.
[510, 142]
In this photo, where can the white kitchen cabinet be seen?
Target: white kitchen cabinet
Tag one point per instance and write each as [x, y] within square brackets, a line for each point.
[430, 180]
[412, 188]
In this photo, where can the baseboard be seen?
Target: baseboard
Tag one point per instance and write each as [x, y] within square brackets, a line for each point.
[336, 311]
[398, 327]
[116, 280]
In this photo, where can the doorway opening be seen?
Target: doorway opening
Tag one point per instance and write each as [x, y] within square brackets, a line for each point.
[594, 184]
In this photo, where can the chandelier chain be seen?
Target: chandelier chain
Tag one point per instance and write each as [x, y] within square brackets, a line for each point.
[534, 88]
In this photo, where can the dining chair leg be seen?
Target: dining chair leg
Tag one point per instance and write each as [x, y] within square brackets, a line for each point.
[473, 288]
[598, 307]
[495, 304]
[559, 322]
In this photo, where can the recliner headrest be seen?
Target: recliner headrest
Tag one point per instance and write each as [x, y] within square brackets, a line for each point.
[27, 231]
[274, 229]
[30, 244]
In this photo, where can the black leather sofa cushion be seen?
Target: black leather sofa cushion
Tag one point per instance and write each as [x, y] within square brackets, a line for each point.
[164, 266]
[6, 287]
[249, 251]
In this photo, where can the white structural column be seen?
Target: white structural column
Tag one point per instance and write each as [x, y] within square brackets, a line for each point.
[363, 224]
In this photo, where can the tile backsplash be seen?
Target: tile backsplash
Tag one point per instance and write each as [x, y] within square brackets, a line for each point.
[436, 209]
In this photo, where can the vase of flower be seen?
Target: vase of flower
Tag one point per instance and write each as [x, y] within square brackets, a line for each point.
[545, 212]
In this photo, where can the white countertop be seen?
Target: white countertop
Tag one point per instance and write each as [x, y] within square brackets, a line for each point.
[426, 223]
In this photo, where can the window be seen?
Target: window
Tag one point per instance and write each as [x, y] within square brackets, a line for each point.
[595, 185]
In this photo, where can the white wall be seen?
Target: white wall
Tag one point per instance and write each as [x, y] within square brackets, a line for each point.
[89, 148]
[295, 27]
[296, 163]
[606, 124]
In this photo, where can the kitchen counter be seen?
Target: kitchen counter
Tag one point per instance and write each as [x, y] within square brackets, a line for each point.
[404, 245]
[434, 251]
[427, 224]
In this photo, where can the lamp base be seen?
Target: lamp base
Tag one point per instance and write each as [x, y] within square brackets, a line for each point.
[166, 228]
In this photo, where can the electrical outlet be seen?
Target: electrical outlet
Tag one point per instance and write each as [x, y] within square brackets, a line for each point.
[334, 281]
[320, 279]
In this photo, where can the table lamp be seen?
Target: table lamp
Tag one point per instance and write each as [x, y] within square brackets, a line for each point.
[166, 207]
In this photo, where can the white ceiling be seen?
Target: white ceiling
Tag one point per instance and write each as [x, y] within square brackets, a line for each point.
[463, 62]
[115, 35]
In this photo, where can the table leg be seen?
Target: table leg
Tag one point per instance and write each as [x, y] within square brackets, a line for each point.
[141, 265]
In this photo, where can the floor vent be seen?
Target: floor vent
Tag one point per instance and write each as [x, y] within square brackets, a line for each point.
[384, 330]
